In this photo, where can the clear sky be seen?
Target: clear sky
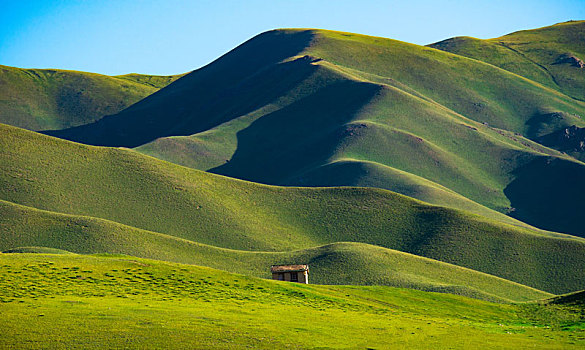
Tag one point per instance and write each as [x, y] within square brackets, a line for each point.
[175, 36]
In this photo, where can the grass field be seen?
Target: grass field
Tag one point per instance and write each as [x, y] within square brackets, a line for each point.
[129, 188]
[48, 99]
[70, 301]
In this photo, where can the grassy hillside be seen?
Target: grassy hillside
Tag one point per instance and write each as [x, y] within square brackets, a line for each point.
[41, 99]
[338, 263]
[132, 189]
[200, 89]
[53, 300]
[471, 88]
[322, 108]
[552, 56]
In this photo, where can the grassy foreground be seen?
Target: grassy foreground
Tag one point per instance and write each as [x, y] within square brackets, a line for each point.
[70, 301]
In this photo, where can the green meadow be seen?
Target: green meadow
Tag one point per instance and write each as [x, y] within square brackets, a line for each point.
[114, 301]
[337, 263]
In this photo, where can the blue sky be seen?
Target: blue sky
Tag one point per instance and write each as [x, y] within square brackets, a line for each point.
[174, 36]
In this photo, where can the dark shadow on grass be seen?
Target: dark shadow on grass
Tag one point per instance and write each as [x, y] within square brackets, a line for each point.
[545, 123]
[549, 193]
[299, 136]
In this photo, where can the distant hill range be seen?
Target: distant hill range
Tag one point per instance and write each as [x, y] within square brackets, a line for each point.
[321, 108]
[552, 56]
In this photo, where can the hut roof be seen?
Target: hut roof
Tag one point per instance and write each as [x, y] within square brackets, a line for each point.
[289, 268]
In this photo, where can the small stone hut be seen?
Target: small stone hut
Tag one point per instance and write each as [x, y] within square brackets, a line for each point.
[290, 273]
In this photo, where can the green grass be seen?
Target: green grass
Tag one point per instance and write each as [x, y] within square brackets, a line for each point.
[471, 88]
[58, 301]
[135, 190]
[365, 173]
[288, 146]
[304, 108]
[41, 99]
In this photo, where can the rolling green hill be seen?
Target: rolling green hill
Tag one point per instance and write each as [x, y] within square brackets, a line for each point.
[338, 263]
[323, 108]
[394, 170]
[129, 188]
[72, 301]
[41, 99]
[280, 67]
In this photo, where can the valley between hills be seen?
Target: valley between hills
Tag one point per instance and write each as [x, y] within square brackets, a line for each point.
[433, 190]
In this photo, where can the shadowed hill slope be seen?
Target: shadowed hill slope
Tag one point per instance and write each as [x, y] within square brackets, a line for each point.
[41, 99]
[225, 89]
[576, 298]
[338, 263]
[36, 250]
[284, 106]
[132, 189]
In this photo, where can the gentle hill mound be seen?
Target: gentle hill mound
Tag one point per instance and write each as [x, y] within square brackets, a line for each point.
[132, 189]
[338, 263]
[130, 302]
[41, 99]
[282, 107]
